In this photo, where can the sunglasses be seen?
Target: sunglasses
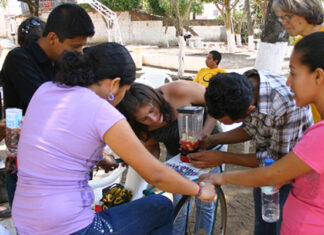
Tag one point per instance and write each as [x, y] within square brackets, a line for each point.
[32, 24]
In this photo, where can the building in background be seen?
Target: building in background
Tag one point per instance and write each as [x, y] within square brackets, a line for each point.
[210, 12]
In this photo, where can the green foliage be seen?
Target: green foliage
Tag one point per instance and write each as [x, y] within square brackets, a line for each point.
[219, 17]
[121, 5]
[3, 3]
[244, 32]
[158, 9]
[258, 16]
[162, 7]
[197, 8]
[85, 6]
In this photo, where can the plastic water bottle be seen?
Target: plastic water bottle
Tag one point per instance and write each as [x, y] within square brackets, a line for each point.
[270, 201]
[13, 122]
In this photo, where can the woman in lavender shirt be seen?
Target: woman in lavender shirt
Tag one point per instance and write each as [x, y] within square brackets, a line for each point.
[66, 126]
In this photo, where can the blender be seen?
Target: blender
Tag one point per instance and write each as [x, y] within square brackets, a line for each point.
[190, 123]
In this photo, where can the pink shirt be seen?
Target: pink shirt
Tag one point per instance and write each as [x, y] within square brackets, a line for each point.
[61, 140]
[303, 212]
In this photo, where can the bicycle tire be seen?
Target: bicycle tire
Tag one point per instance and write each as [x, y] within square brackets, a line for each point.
[221, 216]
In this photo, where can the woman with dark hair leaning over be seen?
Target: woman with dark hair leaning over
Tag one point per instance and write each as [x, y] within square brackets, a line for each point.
[66, 126]
[152, 113]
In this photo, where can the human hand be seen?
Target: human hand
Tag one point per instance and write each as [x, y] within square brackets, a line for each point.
[108, 163]
[215, 179]
[208, 192]
[206, 159]
[277, 187]
[205, 142]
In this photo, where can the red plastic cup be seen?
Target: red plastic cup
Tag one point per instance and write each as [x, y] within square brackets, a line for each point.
[184, 158]
[98, 208]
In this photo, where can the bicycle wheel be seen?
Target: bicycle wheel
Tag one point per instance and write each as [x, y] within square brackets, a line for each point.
[219, 227]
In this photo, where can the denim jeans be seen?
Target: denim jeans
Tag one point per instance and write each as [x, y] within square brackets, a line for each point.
[260, 226]
[11, 183]
[204, 214]
[151, 215]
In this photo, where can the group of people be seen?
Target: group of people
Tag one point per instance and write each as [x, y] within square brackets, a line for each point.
[75, 101]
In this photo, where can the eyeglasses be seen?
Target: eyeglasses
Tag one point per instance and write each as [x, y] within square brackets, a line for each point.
[32, 24]
[285, 18]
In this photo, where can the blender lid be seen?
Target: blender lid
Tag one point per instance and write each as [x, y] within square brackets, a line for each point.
[190, 109]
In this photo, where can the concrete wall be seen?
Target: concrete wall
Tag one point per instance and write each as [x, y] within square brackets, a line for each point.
[150, 32]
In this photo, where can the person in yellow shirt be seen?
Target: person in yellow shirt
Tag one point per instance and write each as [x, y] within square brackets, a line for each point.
[301, 17]
[212, 61]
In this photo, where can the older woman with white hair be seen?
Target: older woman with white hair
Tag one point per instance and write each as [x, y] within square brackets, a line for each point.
[301, 17]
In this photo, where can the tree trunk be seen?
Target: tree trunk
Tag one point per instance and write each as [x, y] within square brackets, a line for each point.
[251, 46]
[181, 56]
[33, 6]
[273, 44]
[238, 40]
[228, 28]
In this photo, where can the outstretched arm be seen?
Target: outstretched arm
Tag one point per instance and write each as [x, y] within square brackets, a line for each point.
[124, 143]
[237, 135]
[282, 171]
[213, 158]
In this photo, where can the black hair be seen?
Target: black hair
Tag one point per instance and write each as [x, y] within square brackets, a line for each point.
[69, 21]
[30, 30]
[311, 50]
[216, 56]
[138, 96]
[229, 94]
[106, 60]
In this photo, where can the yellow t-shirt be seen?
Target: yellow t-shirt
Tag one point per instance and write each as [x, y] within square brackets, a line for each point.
[300, 38]
[205, 74]
[316, 115]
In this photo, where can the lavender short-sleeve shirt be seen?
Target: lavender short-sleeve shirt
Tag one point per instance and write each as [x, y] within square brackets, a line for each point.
[61, 140]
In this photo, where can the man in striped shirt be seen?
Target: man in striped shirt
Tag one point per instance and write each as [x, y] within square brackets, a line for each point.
[271, 119]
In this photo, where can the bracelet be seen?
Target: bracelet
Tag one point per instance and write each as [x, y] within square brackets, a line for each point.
[199, 191]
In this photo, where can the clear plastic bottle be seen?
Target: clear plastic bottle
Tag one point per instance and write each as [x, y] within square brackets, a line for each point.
[13, 122]
[270, 201]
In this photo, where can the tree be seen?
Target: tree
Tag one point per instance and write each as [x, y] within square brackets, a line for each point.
[175, 12]
[121, 5]
[33, 6]
[238, 17]
[250, 26]
[263, 5]
[225, 7]
[273, 44]
[178, 21]
[3, 3]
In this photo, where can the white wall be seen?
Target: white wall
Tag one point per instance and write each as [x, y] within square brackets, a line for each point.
[145, 32]
[13, 7]
[210, 12]
[150, 32]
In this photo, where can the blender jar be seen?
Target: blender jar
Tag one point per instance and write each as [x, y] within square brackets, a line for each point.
[190, 123]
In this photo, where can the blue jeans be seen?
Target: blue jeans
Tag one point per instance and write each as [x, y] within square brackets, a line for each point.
[204, 214]
[151, 215]
[11, 183]
[260, 226]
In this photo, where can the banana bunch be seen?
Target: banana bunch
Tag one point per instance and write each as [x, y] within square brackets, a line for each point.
[115, 195]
